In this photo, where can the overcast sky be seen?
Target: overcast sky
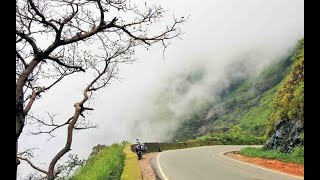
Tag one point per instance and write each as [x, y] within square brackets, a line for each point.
[217, 34]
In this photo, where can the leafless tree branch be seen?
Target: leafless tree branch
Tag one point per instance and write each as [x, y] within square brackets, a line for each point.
[32, 165]
[22, 59]
[29, 40]
[65, 65]
[43, 19]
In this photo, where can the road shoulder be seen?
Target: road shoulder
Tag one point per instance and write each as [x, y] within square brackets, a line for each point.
[274, 165]
[146, 166]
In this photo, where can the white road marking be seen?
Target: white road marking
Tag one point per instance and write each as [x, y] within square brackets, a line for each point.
[161, 171]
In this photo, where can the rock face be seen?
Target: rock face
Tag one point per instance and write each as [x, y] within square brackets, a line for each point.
[287, 135]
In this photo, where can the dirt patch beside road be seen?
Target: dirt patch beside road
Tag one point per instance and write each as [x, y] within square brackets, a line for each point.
[146, 168]
[276, 165]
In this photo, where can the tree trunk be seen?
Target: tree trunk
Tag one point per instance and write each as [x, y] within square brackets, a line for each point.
[17, 160]
[19, 126]
[20, 118]
[67, 146]
[20, 114]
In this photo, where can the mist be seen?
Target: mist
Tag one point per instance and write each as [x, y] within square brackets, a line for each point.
[229, 41]
[224, 41]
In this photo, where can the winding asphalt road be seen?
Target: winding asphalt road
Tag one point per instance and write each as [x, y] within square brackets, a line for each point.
[209, 163]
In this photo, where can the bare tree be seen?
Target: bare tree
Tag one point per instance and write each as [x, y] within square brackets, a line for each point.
[54, 40]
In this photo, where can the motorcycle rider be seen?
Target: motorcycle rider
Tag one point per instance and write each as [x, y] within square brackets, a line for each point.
[140, 149]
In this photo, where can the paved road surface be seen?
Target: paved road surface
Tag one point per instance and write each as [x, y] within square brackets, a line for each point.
[208, 163]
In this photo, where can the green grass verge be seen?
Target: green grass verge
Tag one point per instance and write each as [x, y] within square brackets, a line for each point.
[107, 165]
[296, 156]
[131, 169]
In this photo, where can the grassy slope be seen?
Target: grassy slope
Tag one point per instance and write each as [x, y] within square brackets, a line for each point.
[255, 120]
[108, 164]
[252, 99]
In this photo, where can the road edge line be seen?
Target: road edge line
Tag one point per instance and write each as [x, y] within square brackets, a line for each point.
[160, 169]
[222, 154]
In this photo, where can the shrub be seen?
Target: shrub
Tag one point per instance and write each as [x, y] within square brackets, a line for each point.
[108, 164]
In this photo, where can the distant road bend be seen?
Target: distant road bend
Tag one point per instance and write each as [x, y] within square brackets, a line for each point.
[209, 163]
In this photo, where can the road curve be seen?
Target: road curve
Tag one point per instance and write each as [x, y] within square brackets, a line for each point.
[209, 163]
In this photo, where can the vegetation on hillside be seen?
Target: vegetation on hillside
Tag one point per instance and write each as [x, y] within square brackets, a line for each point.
[107, 164]
[236, 135]
[289, 101]
[246, 103]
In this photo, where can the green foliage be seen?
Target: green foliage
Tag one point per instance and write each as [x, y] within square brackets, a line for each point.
[302, 137]
[289, 101]
[255, 120]
[67, 168]
[108, 164]
[235, 136]
[237, 131]
[296, 156]
[186, 131]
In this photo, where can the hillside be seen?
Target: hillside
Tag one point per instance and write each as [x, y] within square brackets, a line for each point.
[246, 102]
[286, 123]
[289, 102]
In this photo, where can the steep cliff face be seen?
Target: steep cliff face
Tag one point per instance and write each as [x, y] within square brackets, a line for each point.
[288, 135]
[286, 123]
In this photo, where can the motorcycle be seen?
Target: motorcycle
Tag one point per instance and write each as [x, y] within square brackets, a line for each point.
[140, 149]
